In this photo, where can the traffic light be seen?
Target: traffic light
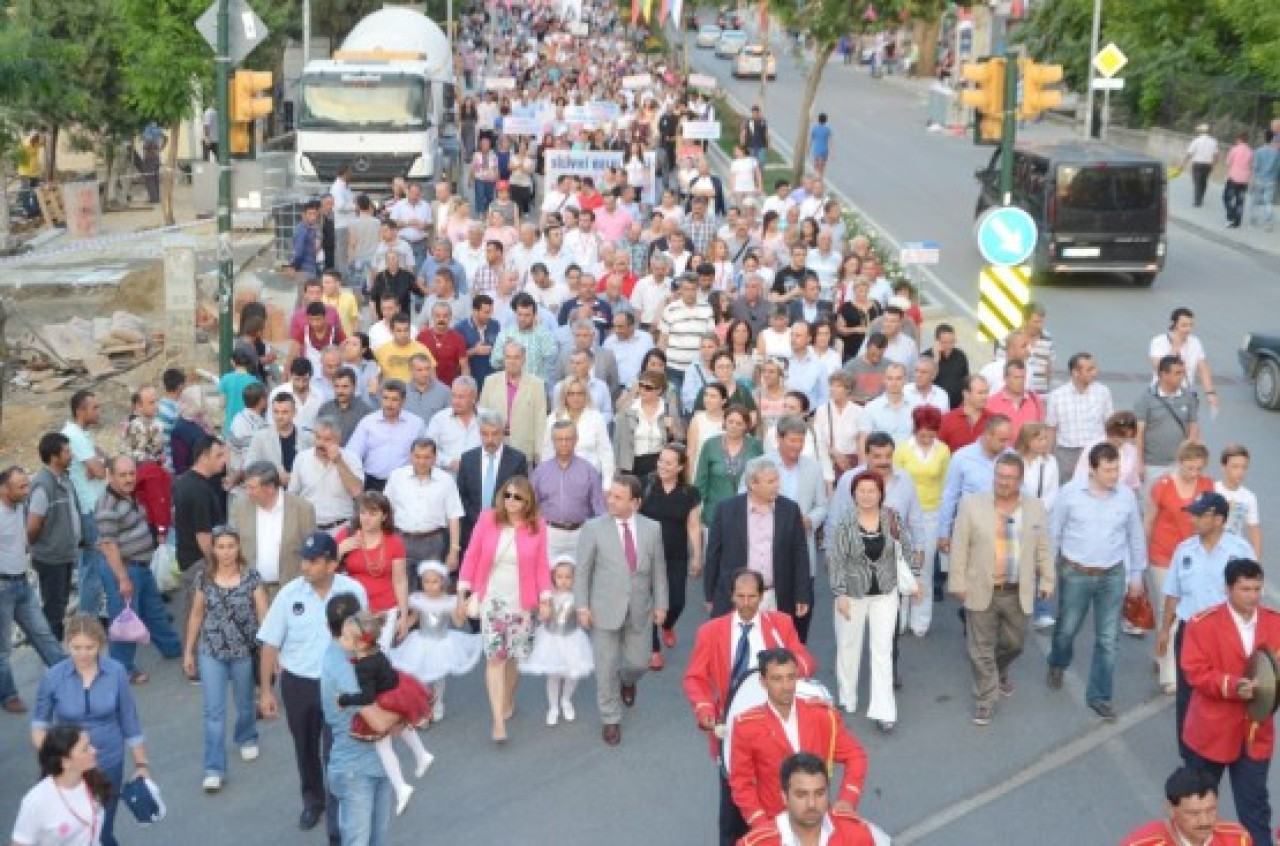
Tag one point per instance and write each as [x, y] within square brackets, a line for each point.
[987, 98]
[1036, 97]
[250, 100]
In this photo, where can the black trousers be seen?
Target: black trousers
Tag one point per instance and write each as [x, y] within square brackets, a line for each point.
[1248, 789]
[677, 577]
[55, 593]
[311, 744]
[802, 623]
[373, 483]
[1182, 699]
[1233, 195]
[1200, 179]
[732, 826]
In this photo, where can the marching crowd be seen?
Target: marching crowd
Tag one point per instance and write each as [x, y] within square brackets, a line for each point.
[520, 419]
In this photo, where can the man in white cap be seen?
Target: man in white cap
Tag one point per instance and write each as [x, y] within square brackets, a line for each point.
[1202, 154]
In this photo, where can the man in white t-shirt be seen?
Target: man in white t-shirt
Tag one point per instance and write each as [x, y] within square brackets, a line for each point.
[1188, 348]
[1243, 519]
[1202, 154]
[413, 216]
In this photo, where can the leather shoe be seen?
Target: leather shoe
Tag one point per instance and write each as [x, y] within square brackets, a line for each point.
[657, 662]
[629, 695]
[15, 706]
[669, 638]
[611, 734]
[310, 818]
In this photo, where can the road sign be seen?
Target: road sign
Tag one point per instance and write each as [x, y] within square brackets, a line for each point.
[1110, 60]
[247, 29]
[1101, 83]
[1003, 292]
[1006, 235]
[920, 252]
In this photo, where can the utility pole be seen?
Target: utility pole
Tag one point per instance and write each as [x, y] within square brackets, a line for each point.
[1093, 51]
[1010, 129]
[226, 270]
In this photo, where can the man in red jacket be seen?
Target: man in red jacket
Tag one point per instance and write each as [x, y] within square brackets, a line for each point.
[1192, 798]
[723, 654]
[1219, 734]
[765, 736]
[806, 819]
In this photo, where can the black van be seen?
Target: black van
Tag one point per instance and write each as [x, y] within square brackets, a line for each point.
[1099, 209]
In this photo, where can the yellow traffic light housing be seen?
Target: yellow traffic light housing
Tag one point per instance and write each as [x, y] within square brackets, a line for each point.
[1036, 96]
[987, 98]
[250, 100]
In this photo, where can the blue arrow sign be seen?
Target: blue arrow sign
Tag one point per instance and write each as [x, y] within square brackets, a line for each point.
[1006, 236]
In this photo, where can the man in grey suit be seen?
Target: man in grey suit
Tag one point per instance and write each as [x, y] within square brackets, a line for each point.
[801, 482]
[604, 366]
[620, 590]
[280, 443]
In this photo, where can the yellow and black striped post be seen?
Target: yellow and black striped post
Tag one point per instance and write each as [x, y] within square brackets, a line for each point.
[1003, 292]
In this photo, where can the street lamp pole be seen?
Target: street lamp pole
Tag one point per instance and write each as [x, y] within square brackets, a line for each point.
[1093, 51]
[226, 270]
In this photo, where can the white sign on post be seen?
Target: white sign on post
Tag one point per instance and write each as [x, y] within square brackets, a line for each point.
[500, 83]
[702, 130]
[1115, 83]
[702, 81]
[920, 252]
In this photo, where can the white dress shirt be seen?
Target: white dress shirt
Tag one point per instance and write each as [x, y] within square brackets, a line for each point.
[452, 436]
[936, 397]
[270, 529]
[1248, 629]
[790, 726]
[423, 505]
[319, 483]
[755, 640]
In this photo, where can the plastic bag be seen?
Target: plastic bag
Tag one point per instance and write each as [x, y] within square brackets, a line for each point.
[128, 628]
[164, 568]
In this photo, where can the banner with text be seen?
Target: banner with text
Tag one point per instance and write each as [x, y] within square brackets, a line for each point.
[594, 164]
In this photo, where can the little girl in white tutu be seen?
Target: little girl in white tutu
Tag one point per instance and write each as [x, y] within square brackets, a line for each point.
[561, 650]
[435, 649]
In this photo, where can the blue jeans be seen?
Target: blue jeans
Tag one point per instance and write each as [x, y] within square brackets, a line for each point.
[364, 807]
[115, 774]
[18, 605]
[485, 192]
[88, 582]
[761, 155]
[215, 673]
[1076, 592]
[148, 605]
[1264, 195]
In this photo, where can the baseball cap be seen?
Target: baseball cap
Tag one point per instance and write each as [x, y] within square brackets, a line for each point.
[318, 545]
[1209, 502]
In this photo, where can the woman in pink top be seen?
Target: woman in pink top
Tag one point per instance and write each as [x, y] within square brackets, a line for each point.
[506, 569]
[1239, 168]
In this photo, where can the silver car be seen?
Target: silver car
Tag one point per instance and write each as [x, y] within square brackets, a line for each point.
[731, 41]
[708, 34]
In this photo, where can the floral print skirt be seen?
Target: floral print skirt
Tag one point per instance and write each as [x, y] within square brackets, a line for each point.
[507, 630]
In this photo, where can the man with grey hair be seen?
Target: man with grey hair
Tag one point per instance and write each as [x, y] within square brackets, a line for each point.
[525, 252]
[628, 345]
[765, 533]
[752, 307]
[272, 524]
[604, 364]
[446, 344]
[329, 477]
[586, 305]
[520, 397]
[445, 292]
[922, 390]
[426, 507]
[483, 470]
[472, 255]
[424, 393]
[569, 491]
[456, 429]
[651, 292]
[800, 479]
[890, 412]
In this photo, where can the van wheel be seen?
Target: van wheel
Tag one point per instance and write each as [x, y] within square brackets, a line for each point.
[1144, 280]
[1266, 384]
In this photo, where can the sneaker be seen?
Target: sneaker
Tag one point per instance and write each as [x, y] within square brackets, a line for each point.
[1104, 710]
[249, 753]
[1006, 688]
[553, 716]
[437, 711]
[1044, 623]
[1055, 679]
[982, 715]
[566, 708]
[424, 764]
[212, 783]
[403, 795]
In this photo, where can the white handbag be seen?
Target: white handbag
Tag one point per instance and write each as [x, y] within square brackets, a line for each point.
[907, 583]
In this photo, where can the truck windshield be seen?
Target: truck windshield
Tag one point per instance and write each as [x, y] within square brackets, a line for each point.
[363, 102]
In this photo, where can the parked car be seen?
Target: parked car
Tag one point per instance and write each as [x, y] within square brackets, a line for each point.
[708, 35]
[1260, 360]
[754, 60]
[730, 43]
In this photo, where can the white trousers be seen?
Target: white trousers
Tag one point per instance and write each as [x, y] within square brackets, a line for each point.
[918, 615]
[560, 542]
[1168, 664]
[880, 615]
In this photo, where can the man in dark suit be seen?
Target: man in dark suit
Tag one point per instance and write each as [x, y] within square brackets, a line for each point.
[474, 489]
[747, 517]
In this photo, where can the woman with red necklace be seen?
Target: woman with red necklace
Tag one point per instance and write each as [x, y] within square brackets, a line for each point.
[66, 806]
[374, 555]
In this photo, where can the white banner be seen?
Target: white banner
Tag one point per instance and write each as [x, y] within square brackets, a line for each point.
[702, 81]
[594, 163]
[513, 125]
[579, 29]
[639, 80]
[500, 83]
[702, 130]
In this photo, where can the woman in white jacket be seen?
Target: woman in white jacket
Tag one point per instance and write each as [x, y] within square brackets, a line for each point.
[594, 445]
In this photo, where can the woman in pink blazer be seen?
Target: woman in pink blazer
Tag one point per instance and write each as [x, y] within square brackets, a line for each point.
[505, 568]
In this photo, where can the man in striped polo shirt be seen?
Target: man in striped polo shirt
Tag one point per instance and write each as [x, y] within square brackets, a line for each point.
[682, 324]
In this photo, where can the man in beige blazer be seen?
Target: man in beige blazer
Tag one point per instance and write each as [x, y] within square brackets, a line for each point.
[526, 413]
[1000, 561]
[273, 525]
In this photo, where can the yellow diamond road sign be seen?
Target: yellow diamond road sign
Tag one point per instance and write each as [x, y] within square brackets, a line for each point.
[1003, 292]
[1110, 60]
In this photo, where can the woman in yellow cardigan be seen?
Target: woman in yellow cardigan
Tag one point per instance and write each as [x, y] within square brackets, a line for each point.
[925, 459]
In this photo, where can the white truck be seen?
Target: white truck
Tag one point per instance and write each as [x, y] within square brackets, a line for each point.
[380, 104]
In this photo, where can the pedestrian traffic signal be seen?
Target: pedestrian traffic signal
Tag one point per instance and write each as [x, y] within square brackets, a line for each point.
[1036, 97]
[986, 98]
[250, 100]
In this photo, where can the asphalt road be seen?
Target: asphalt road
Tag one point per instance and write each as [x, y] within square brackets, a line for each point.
[1045, 771]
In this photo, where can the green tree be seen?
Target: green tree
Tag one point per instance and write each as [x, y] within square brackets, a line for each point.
[822, 23]
[926, 21]
[22, 74]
